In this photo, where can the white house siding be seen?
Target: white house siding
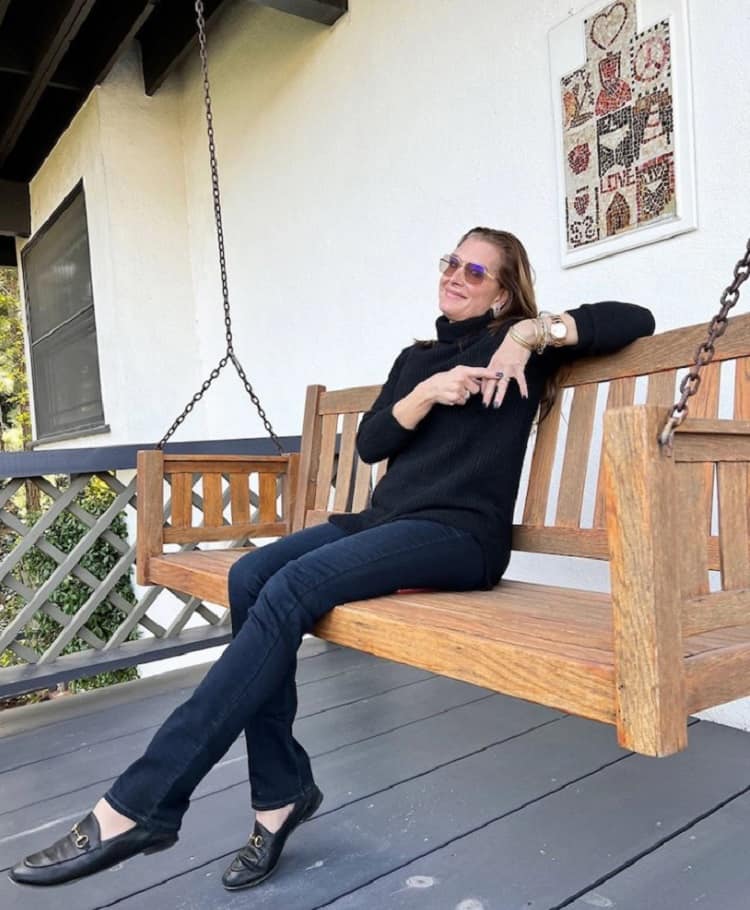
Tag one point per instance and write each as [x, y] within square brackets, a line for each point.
[350, 158]
[127, 149]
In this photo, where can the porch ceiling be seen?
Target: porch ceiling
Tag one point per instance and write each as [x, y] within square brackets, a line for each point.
[54, 52]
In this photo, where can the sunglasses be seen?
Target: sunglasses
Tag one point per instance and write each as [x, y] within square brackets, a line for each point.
[473, 272]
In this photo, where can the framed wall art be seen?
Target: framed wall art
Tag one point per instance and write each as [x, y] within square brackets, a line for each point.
[622, 101]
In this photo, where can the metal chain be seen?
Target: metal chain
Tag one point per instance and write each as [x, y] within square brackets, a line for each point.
[230, 353]
[705, 352]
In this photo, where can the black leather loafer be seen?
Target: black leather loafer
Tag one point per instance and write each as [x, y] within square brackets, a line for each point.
[82, 852]
[260, 855]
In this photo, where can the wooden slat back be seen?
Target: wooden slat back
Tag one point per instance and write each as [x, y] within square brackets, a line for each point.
[621, 393]
[268, 491]
[182, 500]
[239, 497]
[661, 388]
[542, 460]
[334, 478]
[575, 462]
[734, 497]
[309, 456]
[742, 389]
[362, 486]
[249, 485]
[325, 465]
[695, 483]
[347, 454]
[213, 505]
[734, 526]
[658, 358]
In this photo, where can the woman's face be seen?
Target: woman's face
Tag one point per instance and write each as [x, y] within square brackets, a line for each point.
[461, 297]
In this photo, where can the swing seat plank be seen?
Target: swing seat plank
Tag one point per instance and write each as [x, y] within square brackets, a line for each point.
[663, 644]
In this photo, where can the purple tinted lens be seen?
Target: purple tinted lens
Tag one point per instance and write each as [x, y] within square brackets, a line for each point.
[475, 272]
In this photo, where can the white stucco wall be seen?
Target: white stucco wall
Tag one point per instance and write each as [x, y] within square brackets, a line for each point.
[127, 149]
[350, 158]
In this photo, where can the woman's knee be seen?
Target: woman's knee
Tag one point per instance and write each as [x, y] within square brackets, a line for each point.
[297, 595]
[243, 584]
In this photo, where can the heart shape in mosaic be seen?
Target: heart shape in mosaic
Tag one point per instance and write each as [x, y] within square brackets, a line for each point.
[581, 203]
[606, 27]
[579, 157]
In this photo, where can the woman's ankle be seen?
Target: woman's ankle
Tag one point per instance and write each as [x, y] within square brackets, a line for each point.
[273, 819]
[111, 822]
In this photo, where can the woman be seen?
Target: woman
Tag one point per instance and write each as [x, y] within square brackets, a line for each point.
[453, 419]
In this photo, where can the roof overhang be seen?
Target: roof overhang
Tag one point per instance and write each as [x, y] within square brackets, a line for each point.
[54, 52]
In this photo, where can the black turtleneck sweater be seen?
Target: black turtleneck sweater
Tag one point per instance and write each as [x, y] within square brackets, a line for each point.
[461, 465]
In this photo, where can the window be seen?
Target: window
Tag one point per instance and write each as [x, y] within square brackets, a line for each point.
[62, 329]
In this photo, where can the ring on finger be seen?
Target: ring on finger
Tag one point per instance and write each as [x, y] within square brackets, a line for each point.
[500, 375]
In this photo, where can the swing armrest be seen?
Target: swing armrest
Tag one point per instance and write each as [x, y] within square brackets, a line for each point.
[658, 506]
[259, 491]
[640, 497]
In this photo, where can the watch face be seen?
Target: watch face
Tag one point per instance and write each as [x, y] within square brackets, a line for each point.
[558, 331]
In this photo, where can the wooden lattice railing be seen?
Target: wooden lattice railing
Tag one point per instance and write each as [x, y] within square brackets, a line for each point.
[183, 625]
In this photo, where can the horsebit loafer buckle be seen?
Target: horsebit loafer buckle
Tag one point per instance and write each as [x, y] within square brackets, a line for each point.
[81, 840]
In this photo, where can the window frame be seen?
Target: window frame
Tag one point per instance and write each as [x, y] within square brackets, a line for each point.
[84, 428]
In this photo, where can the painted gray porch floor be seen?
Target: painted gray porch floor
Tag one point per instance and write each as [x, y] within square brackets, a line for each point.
[439, 796]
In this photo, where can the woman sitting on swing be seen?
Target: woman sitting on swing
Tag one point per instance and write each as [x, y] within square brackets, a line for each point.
[453, 420]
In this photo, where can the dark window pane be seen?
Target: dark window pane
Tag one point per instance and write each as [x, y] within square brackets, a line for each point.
[58, 273]
[59, 301]
[66, 378]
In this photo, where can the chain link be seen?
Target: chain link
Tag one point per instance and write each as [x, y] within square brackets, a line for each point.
[705, 351]
[230, 353]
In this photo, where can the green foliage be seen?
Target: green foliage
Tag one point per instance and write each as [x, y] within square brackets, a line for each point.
[66, 531]
[36, 567]
[15, 420]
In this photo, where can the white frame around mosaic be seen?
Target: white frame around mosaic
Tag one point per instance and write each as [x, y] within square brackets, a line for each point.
[567, 51]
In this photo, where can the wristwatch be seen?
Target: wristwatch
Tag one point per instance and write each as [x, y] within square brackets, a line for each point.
[557, 330]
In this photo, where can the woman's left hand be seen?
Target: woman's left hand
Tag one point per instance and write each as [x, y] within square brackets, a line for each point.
[508, 363]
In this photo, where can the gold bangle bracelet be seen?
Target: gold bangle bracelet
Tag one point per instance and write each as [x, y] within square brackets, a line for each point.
[519, 339]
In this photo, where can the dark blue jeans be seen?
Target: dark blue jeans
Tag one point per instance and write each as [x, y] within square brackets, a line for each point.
[277, 594]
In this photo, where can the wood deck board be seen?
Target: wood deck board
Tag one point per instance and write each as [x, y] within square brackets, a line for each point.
[494, 798]
[704, 866]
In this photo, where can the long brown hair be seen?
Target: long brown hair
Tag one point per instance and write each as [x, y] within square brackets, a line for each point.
[517, 278]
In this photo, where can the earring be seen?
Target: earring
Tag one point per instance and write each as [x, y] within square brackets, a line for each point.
[496, 308]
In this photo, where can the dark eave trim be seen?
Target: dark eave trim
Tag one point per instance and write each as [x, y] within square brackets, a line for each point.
[15, 209]
[137, 13]
[168, 37]
[326, 12]
[4, 4]
[171, 33]
[12, 61]
[61, 34]
[8, 254]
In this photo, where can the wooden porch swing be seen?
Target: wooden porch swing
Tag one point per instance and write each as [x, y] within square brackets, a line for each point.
[663, 645]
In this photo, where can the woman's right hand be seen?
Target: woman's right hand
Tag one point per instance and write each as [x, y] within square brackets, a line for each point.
[456, 386]
[453, 387]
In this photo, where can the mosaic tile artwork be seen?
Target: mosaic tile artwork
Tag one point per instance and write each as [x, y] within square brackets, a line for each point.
[618, 129]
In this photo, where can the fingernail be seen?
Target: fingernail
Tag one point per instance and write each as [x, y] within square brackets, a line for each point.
[495, 404]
